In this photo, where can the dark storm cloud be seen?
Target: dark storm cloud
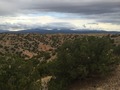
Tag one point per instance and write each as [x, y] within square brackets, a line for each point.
[67, 6]
[97, 8]
[86, 8]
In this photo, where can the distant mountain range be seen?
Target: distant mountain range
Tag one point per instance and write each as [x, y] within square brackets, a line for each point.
[56, 31]
[2, 31]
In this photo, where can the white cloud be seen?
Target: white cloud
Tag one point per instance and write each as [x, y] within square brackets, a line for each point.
[28, 22]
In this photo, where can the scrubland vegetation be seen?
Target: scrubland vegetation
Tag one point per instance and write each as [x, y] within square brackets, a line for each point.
[76, 57]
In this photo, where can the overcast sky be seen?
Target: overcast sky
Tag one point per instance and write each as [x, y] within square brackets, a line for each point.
[73, 14]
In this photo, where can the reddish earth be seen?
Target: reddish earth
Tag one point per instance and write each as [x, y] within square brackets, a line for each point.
[29, 54]
[44, 47]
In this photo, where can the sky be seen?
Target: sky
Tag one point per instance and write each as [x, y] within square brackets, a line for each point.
[73, 14]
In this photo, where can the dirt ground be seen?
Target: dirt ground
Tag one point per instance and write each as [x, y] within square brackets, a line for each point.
[110, 83]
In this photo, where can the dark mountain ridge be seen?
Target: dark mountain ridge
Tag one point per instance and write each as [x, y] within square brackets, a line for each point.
[56, 31]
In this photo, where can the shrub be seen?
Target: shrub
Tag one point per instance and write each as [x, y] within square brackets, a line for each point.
[81, 58]
[18, 74]
[117, 50]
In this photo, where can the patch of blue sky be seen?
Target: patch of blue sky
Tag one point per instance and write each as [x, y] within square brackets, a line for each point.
[57, 15]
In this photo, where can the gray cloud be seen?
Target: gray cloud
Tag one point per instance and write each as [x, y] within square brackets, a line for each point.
[82, 8]
[59, 25]
[106, 17]
[100, 10]
[8, 26]
[67, 6]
